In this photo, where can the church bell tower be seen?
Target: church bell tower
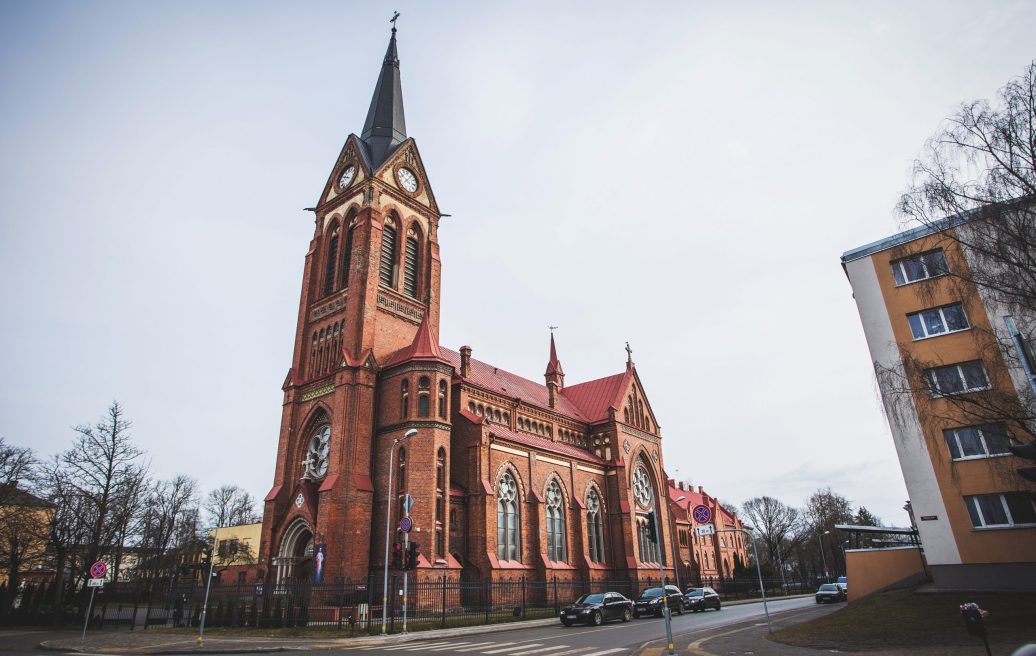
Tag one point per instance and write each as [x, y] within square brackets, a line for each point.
[371, 278]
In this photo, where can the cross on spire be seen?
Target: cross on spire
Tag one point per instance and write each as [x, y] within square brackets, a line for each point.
[395, 17]
[629, 354]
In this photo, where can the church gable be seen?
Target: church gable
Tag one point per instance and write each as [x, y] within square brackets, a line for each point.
[404, 171]
[632, 407]
[351, 168]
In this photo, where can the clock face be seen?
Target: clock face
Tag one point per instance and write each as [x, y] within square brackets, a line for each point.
[347, 176]
[407, 180]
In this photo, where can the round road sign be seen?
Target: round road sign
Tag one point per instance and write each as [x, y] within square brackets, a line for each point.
[406, 524]
[98, 570]
[702, 514]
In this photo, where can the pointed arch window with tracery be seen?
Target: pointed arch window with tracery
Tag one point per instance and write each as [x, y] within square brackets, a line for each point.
[555, 523]
[332, 262]
[508, 521]
[643, 493]
[318, 450]
[594, 527]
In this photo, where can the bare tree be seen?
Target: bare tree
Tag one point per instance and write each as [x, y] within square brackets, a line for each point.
[16, 464]
[102, 470]
[24, 518]
[170, 505]
[778, 525]
[975, 187]
[229, 505]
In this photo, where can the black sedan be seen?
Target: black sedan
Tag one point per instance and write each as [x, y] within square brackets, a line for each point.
[598, 608]
[702, 599]
[830, 592]
[650, 601]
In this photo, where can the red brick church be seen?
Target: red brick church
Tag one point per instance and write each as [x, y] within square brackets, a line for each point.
[512, 477]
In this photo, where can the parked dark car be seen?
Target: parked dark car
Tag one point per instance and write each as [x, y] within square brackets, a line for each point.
[702, 599]
[598, 608]
[830, 592]
[650, 601]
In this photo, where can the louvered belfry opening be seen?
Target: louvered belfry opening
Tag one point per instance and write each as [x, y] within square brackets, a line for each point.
[347, 256]
[388, 253]
[410, 264]
[332, 262]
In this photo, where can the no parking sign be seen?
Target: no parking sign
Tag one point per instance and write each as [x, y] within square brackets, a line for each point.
[702, 514]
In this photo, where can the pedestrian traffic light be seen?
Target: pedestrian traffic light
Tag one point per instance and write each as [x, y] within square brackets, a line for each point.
[1027, 451]
[206, 556]
[652, 530]
[411, 556]
[397, 555]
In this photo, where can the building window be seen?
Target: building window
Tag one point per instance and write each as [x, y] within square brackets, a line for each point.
[440, 469]
[422, 396]
[404, 399]
[646, 541]
[347, 254]
[1001, 510]
[957, 378]
[938, 321]
[683, 537]
[977, 441]
[555, 523]
[453, 519]
[332, 263]
[508, 522]
[442, 399]
[387, 265]
[594, 527]
[401, 485]
[919, 267]
[440, 544]
[410, 264]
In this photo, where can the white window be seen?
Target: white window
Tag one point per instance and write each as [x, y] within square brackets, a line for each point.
[919, 267]
[938, 321]
[957, 378]
[1001, 510]
[977, 441]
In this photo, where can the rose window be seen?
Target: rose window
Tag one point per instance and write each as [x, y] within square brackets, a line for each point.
[319, 448]
[641, 487]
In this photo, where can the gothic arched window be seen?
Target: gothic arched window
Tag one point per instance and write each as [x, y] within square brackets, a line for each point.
[319, 448]
[645, 498]
[508, 521]
[332, 262]
[347, 254]
[442, 399]
[404, 399]
[440, 501]
[422, 396]
[387, 266]
[555, 523]
[401, 484]
[411, 264]
[594, 527]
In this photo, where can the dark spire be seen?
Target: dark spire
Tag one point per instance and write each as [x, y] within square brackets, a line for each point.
[385, 127]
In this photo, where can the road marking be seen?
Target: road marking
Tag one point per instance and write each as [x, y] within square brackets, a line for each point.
[415, 646]
[496, 644]
[458, 644]
[606, 651]
[537, 651]
[570, 651]
[528, 644]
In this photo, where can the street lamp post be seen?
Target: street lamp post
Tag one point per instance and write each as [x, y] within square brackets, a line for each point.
[758, 570]
[661, 582]
[823, 558]
[388, 526]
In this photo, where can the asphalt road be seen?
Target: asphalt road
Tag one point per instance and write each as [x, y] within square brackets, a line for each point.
[613, 639]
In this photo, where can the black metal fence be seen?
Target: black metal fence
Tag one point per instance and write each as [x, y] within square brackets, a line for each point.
[352, 607]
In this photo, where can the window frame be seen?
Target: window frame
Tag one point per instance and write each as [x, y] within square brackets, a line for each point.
[981, 430]
[975, 511]
[942, 318]
[897, 265]
[933, 381]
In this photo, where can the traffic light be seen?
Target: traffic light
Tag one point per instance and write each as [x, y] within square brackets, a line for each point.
[206, 556]
[651, 529]
[1027, 451]
[411, 557]
[397, 555]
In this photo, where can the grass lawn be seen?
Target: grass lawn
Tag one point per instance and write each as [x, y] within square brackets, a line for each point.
[904, 618]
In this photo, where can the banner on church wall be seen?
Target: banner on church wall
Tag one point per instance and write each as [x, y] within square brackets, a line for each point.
[319, 557]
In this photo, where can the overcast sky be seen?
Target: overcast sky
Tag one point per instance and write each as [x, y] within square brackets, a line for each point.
[681, 175]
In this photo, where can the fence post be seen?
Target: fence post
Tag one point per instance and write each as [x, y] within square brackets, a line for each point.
[485, 597]
[341, 603]
[524, 597]
[442, 620]
[555, 586]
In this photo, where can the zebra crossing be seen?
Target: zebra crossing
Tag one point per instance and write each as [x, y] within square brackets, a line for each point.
[496, 648]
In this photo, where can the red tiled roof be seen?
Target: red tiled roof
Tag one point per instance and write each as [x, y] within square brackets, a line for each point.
[691, 499]
[424, 347]
[503, 382]
[594, 397]
[543, 443]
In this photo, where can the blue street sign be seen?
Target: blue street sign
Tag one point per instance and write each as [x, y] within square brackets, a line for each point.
[702, 514]
[406, 524]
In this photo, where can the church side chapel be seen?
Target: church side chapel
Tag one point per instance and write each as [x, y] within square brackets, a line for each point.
[512, 478]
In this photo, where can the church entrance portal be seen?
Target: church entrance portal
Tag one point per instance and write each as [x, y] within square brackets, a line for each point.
[295, 558]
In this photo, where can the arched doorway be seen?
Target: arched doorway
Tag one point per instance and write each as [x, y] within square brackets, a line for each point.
[295, 557]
